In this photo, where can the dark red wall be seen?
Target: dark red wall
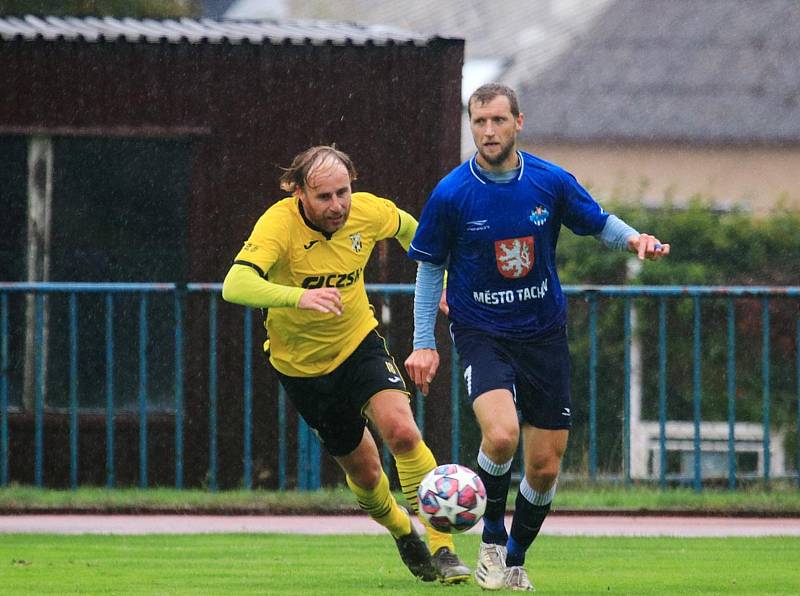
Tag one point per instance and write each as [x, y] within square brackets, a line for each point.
[248, 109]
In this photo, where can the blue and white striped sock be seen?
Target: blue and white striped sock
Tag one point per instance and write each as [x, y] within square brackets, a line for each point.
[496, 478]
[531, 509]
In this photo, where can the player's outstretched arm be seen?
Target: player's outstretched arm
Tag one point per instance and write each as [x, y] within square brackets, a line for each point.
[422, 365]
[244, 285]
[647, 246]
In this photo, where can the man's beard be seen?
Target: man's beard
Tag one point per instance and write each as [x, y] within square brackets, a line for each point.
[500, 158]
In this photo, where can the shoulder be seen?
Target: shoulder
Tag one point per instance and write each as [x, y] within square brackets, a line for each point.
[538, 166]
[371, 212]
[285, 207]
[368, 203]
[368, 199]
[543, 171]
[279, 215]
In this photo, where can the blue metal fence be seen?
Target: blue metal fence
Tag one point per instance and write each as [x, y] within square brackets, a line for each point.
[308, 450]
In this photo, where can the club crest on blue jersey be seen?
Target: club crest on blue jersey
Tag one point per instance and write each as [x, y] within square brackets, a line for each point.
[539, 215]
[514, 256]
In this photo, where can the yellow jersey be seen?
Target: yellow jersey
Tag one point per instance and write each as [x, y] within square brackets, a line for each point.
[282, 247]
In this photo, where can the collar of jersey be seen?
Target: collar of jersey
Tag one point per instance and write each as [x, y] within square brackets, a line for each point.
[308, 222]
[474, 169]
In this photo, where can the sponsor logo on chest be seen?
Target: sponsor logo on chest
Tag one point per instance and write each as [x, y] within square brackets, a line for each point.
[332, 280]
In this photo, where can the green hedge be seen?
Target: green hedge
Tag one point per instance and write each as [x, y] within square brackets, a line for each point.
[709, 247]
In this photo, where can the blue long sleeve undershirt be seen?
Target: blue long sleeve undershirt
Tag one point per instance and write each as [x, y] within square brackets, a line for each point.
[615, 233]
[430, 279]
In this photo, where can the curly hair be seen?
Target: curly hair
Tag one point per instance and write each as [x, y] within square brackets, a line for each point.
[296, 175]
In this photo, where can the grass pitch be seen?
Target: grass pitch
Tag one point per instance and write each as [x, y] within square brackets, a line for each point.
[369, 565]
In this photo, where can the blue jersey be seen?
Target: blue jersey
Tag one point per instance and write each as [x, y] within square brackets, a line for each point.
[499, 243]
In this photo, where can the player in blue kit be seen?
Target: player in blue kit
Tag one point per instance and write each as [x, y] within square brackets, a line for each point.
[493, 224]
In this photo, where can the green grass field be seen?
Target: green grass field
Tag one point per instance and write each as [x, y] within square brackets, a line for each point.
[369, 565]
[290, 564]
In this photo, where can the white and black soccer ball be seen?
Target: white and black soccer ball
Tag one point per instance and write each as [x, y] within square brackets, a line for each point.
[452, 498]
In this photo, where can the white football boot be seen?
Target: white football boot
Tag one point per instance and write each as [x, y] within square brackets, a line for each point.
[490, 572]
[516, 578]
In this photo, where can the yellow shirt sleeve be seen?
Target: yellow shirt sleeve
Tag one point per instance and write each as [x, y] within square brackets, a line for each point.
[243, 285]
[267, 242]
[407, 229]
[246, 282]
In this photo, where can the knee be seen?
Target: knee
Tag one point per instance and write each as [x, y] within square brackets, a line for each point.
[501, 443]
[542, 475]
[402, 438]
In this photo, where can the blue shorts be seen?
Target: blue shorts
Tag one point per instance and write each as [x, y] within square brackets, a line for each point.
[536, 372]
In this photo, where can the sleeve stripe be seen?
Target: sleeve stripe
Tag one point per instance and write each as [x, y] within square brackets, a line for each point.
[248, 264]
[421, 251]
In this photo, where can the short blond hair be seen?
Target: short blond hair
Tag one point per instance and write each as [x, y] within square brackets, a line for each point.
[296, 175]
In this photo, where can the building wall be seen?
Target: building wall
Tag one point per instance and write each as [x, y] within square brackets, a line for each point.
[245, 110]
[755, 178]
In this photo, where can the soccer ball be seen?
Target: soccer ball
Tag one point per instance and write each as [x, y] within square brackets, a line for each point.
[452, 498]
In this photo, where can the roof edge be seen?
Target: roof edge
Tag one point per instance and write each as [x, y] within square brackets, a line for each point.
[200, 31]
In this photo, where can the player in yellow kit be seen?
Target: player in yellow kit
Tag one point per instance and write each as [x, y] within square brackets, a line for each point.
[304, 261]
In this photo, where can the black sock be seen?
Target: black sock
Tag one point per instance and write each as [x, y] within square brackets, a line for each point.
[525, 526]
[494, 529]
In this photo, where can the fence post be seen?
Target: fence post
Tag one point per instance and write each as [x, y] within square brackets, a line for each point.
[420, 411]
[281, 437]
[455, 405]
[314, 477]
[143, 391]
[3, 390]
[38, 408]
[302, 453]
[248, 398]
[308, 457]
[179, 293]
[212, 392]
[662, 392]
[592, 387]
[109, 390]
[73, 390]
[731, 395]
[766, 387]
[626, 404]
[698, 480]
